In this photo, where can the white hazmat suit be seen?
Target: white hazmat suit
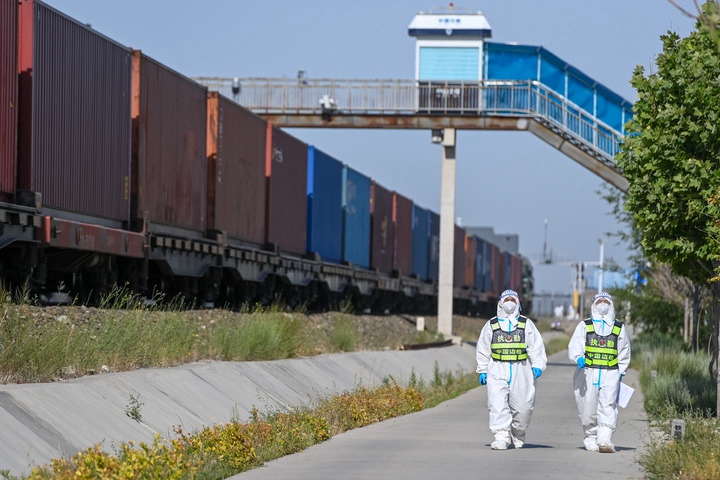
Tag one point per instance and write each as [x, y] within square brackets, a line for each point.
[510, 381]
[596, 382]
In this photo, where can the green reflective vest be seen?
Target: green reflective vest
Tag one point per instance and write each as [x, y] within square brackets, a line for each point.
[601, 350]
[508, 346]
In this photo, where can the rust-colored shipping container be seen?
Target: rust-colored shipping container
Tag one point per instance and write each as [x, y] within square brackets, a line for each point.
[169, 113]
[459, 258]
[286, 173]
[236, 170]
[8, 98]
[382, 231]
[74, 114]
[516, 273]
[470, 251]
[498, 270]
[403, 220]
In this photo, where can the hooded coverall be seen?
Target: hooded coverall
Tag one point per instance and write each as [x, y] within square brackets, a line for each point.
[511, 384]
[596, 389]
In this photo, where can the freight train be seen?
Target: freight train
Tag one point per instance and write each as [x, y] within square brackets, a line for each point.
[117, 170]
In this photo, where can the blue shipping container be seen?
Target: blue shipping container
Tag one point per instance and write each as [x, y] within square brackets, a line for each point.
[459, 257]
[420, 242]
[488, 272]
[356, 217]
[434, 247]
[324, 200]
[508, 270]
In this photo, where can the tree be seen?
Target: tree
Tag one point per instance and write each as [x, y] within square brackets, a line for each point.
[693, 298]
[709, 18]
[671, 158]
[667, 304]
[654, 304]
[648, 311]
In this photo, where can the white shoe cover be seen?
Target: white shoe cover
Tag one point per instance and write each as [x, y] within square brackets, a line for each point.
[591, 444]
[499, 445]
[606, 447]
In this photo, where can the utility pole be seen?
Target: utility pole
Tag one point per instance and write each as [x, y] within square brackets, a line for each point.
[600, 274]
[581, 289]
[546, 258]
[580, 285]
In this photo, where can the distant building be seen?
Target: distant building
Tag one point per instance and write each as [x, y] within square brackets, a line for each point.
[509, 242]
[610, 280]
[553, 305]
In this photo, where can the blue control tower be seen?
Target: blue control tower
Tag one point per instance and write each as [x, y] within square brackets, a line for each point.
[449, 44]
[454, 61]
[449, 54]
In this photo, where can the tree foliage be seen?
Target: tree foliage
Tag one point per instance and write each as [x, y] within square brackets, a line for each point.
[650, 312]
[671, 154]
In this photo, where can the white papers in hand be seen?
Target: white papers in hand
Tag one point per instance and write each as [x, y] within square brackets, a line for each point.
[624, 394]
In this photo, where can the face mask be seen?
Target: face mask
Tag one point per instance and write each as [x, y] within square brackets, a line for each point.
[508, 306]
[602, 308]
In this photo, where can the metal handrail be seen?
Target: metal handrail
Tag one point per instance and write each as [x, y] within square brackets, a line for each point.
[301, 96]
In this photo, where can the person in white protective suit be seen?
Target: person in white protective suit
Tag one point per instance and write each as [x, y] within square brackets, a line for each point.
[510, 357]
[600, 347]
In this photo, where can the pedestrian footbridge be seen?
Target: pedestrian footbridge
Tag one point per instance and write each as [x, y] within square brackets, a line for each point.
[462, 81]
[491, 104]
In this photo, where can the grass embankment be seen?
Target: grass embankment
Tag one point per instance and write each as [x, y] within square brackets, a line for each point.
[676, 384]
[41, 345]
[37, 346]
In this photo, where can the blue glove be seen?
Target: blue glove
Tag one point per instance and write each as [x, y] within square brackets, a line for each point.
[537, 372]
[483, 379]
[621, 376]
[581, 362]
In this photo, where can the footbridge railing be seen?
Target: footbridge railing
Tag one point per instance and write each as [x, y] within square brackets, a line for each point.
[316, 102]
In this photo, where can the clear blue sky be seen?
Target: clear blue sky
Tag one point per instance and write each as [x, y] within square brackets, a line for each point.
[511, 181]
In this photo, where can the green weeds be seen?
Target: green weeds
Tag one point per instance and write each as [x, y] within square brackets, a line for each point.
[693, 457]
[676, 384]
[673, 379]
[134, 408]
[344, 335]
[223, 450]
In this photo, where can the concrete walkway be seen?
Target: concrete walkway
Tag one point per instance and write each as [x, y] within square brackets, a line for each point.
[453, 441]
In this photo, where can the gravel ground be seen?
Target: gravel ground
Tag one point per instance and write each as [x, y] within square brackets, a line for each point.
[394, 331]
[375, 331]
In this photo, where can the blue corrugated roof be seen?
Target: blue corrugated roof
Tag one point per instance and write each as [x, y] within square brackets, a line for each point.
[541, 51]
[505, 61]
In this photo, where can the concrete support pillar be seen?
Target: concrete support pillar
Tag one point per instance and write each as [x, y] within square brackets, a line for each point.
[447, 234]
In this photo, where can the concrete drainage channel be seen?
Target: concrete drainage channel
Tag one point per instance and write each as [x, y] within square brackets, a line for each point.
[41, 422]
